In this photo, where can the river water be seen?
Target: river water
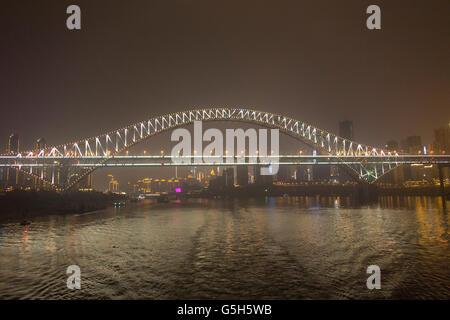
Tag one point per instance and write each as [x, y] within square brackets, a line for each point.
[273, 248]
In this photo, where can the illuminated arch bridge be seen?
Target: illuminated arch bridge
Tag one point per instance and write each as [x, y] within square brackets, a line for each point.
[84, 156]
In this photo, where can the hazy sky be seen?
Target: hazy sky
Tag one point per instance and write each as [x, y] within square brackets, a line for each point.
[312, 60]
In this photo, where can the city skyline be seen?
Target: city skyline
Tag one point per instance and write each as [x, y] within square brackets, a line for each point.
[60, 178]
[411, 145]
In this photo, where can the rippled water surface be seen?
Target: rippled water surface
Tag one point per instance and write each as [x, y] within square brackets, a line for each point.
[277, 248]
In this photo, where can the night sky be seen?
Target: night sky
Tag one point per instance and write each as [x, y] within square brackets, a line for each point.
[312, 60]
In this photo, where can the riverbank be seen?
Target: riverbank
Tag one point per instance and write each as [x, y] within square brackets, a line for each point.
[355, 190]
[28, 204]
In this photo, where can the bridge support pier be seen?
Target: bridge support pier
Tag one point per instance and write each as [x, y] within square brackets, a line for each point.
[442, 187]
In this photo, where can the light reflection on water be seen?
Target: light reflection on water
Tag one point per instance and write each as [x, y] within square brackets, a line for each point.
[273, 248]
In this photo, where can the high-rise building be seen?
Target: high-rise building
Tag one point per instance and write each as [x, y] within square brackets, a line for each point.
[40, 144]
[442, 140]
[413, 144]
[13, 144]
[346, 129]
[392, 145]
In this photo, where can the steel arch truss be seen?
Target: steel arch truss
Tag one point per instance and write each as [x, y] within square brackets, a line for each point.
[117, 141]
